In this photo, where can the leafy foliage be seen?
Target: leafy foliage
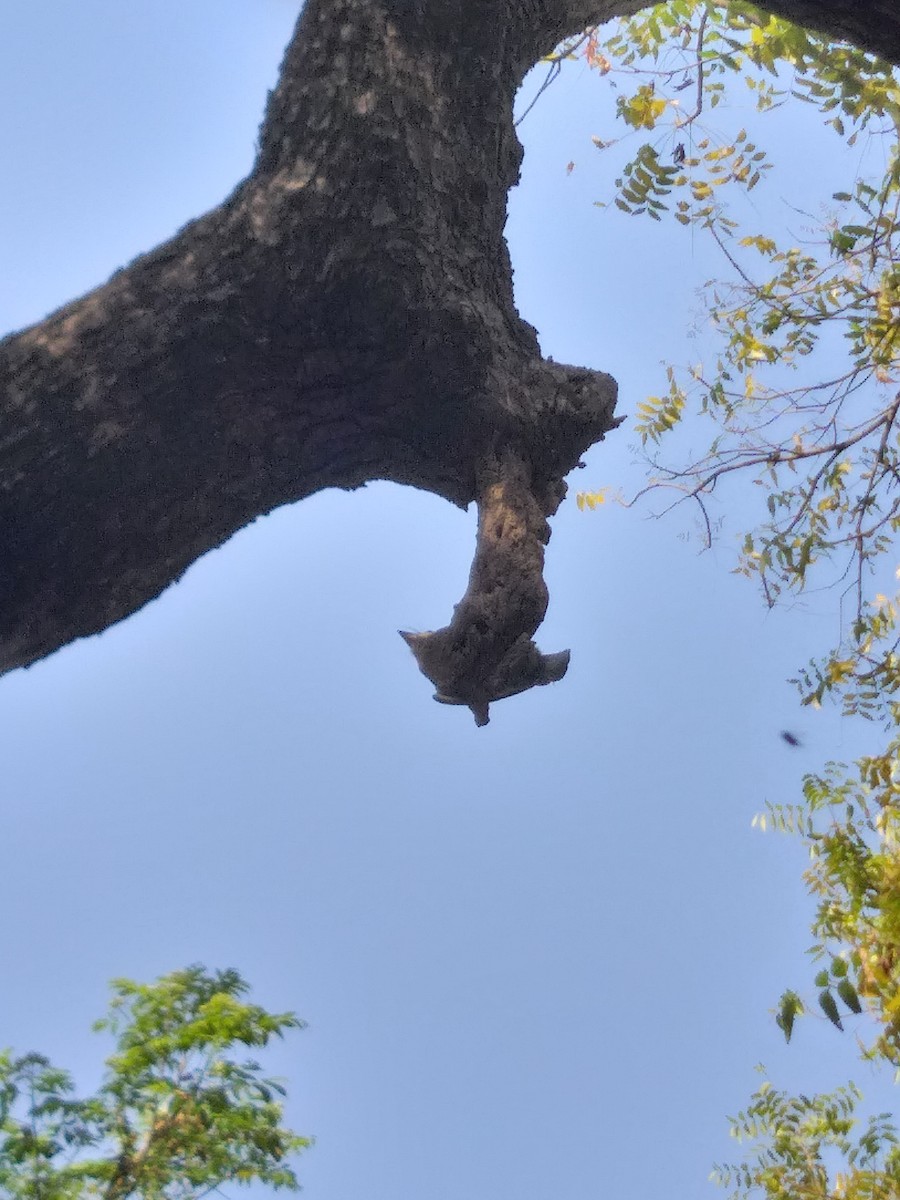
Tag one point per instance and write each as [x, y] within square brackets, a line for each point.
[825, 454]
[822, 445]
[793, 1140]
[176, 1116]
[850, 822]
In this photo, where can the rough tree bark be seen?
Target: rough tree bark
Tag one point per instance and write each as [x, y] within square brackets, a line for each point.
[345, 315]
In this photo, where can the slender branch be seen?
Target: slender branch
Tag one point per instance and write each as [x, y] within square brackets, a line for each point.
[698, 108]
[556, 62]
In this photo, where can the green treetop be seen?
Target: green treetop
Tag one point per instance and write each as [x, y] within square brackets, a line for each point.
[178, 1113]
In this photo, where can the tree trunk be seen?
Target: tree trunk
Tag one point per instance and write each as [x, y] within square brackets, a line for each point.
[345, 315]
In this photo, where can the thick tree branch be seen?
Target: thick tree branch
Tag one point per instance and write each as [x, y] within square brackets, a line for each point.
[486, 652]
[346, 315]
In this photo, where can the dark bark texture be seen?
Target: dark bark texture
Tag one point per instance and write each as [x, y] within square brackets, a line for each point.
[345, 315]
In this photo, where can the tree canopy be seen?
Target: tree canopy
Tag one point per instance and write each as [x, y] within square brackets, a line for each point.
[801, 398]
[177, 1114]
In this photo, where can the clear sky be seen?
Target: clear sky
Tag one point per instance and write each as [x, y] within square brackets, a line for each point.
[537, 960]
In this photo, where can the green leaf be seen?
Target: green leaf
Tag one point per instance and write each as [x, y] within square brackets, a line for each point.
[790, 1007]
[847, 993]
[829, 1007]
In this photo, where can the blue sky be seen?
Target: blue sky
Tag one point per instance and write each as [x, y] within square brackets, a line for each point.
[536, 959]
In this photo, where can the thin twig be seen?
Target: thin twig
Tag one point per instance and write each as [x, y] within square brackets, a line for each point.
[698, 108]
[555, 70]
